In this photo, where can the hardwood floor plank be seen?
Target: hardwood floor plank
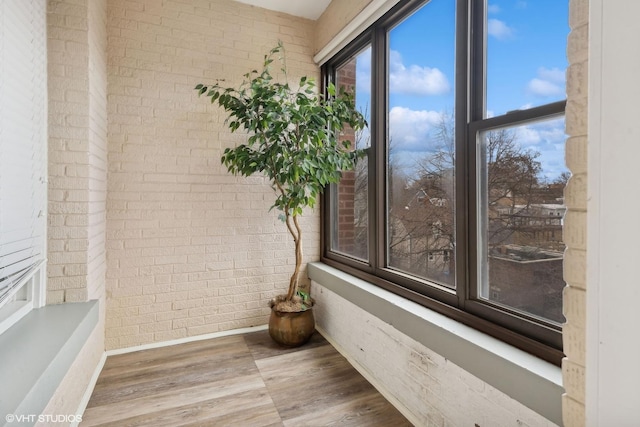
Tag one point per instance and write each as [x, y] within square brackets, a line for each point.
[262, 346]
[170, 380]
[200, 367]
[370, 410]
[318, 386]
[236, 381]
[120, 365]
[316, 364]
[172, 399]
[251, 408]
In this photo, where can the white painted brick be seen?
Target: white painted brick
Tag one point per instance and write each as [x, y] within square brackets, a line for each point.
[573, 412]
[574, 232]
[575, 267]
[164, 149]
[576, 154]
[154, 307]
[576, 117]
[574, 343]
[173, 334]
[436, 391]
[574, 380]
[156, 327]
[574, 337]
[575, 304]
[578, 13]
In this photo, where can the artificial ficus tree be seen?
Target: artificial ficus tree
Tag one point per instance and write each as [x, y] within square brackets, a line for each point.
[293, 140]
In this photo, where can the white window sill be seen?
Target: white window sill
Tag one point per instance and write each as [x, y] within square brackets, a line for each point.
[37, 352]
[533, 382]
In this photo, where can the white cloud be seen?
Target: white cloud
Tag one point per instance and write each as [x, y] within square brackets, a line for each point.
[410, 130]
[493, 8]
[552, 74]
[544, 88]
[363, 72]
[499, 29]
[412, 80]
[415, 79]
[528, 135]
[550, 82]
[548, 139]
[548, 132]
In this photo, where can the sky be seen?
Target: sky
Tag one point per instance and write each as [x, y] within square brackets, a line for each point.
[526, 62]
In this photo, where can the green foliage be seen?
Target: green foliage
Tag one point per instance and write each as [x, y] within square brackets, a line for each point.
[293, 134]
[306, 298]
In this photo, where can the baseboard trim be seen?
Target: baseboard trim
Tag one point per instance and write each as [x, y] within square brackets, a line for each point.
[89, 391]
[186, 340]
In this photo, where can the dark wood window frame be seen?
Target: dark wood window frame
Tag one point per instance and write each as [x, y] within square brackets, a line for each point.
[527, 333]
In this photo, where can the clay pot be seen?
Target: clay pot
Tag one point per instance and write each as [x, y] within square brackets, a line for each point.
[291, 329]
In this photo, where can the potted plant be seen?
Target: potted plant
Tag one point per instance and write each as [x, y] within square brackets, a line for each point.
[293, 139]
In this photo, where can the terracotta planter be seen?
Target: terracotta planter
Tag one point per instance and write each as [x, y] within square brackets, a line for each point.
[291, 329]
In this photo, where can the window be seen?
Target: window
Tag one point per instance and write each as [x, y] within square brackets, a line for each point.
[350, 207]
[458, 203]
[23, 145]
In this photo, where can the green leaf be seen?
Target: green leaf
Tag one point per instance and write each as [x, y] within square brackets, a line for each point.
[292, 134]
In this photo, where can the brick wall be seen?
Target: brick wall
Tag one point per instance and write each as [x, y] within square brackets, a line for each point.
[191, 249]
[517, 284]
[346, 216]
[77, 149]
[97, 153]
[574, 337]
[77, 84]
[68, 160]
[435, 390]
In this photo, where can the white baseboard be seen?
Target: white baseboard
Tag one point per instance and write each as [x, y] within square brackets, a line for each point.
[186, 340]
[373, 381]
[89, 391]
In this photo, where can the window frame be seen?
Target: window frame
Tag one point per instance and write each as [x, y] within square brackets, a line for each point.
[461, 304]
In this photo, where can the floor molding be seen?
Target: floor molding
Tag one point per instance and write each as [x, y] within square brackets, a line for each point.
[90, 387]
[186, 340]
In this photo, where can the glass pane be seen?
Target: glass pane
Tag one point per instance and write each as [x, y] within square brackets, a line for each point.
[526, 54]
[522, 208]
[420, 169]
[349, 207]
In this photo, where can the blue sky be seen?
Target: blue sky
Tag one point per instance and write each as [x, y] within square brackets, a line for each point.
[526, 62]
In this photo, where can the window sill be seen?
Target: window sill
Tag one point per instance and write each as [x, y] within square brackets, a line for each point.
[37, 352]
[533, 382]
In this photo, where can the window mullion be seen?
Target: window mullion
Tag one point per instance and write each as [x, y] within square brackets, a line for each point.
[474, 112]
[378, 160]
[464, 91]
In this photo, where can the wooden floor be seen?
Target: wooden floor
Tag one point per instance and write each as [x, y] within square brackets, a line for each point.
[241, 380]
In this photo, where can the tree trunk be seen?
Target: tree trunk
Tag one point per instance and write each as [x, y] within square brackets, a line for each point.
[297, 238]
